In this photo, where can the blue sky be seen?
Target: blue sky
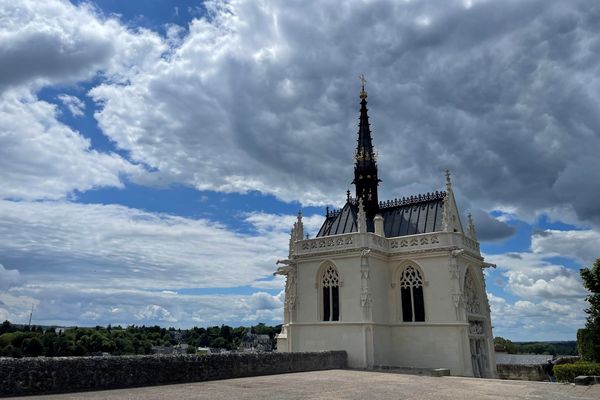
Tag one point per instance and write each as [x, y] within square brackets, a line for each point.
[153, 154]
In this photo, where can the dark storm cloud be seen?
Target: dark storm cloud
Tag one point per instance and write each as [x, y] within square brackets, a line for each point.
[264, 97]
[489, 228]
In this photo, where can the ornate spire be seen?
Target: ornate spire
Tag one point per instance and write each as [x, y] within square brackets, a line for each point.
[365, 168]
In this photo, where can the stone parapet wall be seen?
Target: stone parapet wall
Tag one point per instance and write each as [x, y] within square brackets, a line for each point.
[69, 374]
[521, 372]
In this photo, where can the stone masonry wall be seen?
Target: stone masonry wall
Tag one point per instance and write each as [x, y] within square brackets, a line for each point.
[521, 372]
[69, 374]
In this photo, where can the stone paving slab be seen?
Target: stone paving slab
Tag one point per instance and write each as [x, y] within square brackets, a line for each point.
[347, 384]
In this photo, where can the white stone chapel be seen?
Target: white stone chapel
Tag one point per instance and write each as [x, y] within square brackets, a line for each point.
[395, 283]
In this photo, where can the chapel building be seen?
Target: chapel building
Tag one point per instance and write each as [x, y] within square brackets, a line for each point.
[395, 283]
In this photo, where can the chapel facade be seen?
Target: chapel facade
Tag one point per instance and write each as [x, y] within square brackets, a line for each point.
[395, 283]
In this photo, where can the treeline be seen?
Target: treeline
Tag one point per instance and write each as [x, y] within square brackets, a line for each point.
[34, 341]
[567, 348]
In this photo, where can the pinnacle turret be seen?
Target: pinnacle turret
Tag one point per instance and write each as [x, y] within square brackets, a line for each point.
[365, 168]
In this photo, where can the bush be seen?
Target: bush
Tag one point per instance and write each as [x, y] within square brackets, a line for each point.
[568, 372]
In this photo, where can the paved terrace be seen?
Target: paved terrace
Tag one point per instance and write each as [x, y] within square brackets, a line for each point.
[347, 384]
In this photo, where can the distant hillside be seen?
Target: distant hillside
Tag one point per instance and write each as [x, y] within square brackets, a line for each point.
[554, 348]
[52, 341]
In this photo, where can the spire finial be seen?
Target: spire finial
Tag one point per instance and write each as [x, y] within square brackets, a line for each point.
[448, 181]
[363, 80]
[348, 195]
[471, 226]
[299, 227]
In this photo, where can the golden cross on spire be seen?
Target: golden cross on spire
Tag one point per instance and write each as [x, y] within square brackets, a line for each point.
[363, 80]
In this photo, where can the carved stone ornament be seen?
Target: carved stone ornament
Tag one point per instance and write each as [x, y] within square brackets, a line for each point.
[457, 299]
[472, 300]
[365, 299]
[361, 217]
[476, 327]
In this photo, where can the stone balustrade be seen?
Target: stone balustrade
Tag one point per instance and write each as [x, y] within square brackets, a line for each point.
[401, 244]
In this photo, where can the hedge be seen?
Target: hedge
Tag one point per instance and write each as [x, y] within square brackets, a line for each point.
[568, 372]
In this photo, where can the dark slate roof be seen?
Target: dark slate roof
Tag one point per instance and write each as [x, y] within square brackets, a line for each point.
[401, 217]
[340, 221]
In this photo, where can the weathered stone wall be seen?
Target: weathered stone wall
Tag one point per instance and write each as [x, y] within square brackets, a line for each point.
[521, 372]
[69, 374]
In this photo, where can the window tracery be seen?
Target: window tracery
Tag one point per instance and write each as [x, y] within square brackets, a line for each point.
[330, 284]
[411, 295]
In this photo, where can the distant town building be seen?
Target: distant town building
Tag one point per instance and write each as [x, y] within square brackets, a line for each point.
[394, 283]
[176, 349]
[255, 342]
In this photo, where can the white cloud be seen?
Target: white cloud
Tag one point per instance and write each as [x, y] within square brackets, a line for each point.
[74, 104]
[41, 158]
[536, 320]
[55, 41]
[155, 312]
[106, 263]
[115, 245]
[50, 43]
[532, 276]
[548, 299]
[72, 305]
[580, 245]
[266, 223]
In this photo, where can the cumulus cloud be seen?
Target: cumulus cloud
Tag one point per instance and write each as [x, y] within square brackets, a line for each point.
[536, 320]
[580, 245]
[74, 104]
[57, 42]
[531, 276]
[41, 158]
[500, 92]
[547, 299]
[50, 43]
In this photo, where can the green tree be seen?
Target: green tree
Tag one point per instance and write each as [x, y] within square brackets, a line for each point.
[219, 343]
[6, 327]
[501, 344]
[589, 340]
[33, 347]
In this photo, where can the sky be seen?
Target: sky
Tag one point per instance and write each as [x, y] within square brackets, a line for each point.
[153, 155]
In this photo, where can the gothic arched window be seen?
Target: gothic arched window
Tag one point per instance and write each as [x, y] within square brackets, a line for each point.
[411, 295]
[331, 294]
